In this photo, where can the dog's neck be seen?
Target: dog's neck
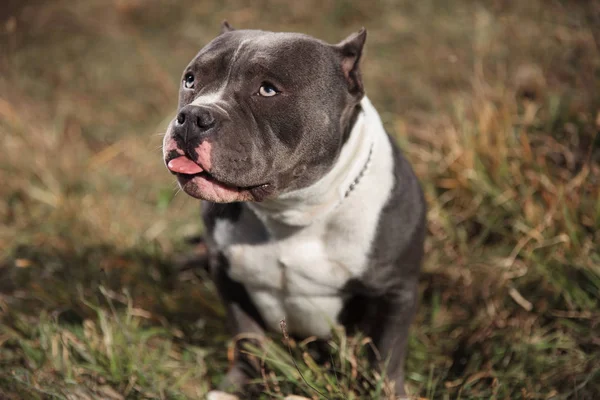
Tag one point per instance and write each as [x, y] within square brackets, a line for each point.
[304, 206]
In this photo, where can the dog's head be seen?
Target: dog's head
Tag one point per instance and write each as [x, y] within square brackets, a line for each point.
[262, 113]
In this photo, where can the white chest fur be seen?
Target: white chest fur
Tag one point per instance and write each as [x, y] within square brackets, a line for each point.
[297, 271]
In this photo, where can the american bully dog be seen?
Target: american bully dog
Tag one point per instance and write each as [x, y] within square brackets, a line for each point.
[312, 215]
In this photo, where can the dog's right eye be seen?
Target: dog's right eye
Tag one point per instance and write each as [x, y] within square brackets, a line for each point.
[267, 90]
[188, 81]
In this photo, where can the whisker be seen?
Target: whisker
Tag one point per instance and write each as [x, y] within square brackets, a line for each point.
[177, 190]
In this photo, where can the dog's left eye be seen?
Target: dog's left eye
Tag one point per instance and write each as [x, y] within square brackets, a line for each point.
[188, 81]
[267, 90]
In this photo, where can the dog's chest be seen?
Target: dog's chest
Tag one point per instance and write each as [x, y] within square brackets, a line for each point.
[292, 274]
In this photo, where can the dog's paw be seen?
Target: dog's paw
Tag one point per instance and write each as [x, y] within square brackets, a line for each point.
[218, 395]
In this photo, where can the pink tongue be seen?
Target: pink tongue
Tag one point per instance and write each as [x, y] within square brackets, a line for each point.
[184, 165]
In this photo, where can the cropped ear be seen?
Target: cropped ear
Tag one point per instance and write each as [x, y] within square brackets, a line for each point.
[350, 50]
[225, 27]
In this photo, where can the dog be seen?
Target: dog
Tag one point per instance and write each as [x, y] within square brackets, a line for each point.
[312, 214]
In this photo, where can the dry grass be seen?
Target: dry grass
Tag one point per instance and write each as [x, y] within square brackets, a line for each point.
[495, 103]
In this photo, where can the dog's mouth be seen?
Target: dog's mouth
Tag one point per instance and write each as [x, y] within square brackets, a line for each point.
[198, 183]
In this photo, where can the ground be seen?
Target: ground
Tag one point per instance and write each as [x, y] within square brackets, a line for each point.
[495, 103]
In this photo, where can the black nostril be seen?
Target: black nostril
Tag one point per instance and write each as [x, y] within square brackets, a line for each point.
[195, 119]
[205, 119]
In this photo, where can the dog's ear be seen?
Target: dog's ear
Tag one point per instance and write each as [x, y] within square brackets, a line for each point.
[225, 27]
[350, 50]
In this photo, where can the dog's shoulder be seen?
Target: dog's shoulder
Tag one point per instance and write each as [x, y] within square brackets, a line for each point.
[399, 237]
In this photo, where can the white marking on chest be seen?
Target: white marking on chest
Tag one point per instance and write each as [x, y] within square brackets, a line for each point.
[297, 272]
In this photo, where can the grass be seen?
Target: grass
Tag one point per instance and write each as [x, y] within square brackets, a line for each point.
[495, 104]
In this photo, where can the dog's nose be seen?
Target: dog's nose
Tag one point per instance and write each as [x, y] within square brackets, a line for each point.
[194, 120]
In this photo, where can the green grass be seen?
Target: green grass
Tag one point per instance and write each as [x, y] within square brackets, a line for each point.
[495, 104]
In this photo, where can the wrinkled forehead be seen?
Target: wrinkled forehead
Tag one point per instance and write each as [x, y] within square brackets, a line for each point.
[276, 51]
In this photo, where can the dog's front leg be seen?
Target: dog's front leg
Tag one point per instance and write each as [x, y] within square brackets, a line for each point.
[244, 322]
[393, 340]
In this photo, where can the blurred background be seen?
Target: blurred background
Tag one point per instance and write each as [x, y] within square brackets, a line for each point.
[496, 104]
